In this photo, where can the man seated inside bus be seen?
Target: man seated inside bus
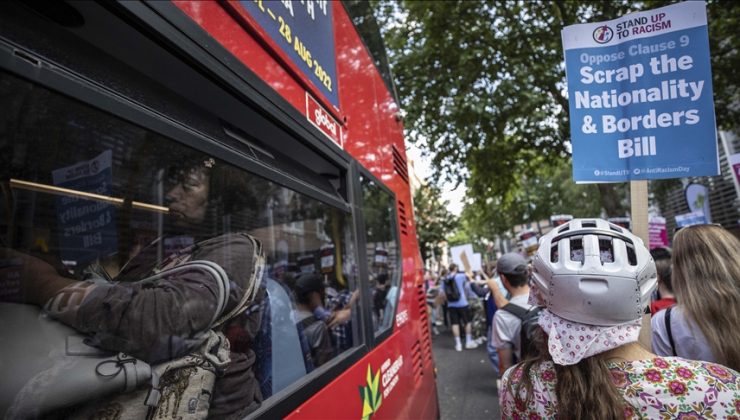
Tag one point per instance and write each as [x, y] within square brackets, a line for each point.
[161, 320]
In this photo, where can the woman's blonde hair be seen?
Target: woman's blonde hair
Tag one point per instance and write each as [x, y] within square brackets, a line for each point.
[706, 280]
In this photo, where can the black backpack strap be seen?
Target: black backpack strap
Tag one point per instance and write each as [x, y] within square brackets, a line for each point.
[515, 310]
[668, 329]
[307, 321]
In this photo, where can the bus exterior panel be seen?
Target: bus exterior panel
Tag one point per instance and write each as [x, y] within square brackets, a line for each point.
[392, 375]
[371, 130]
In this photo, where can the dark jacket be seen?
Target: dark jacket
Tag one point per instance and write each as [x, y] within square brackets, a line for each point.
[158, 321]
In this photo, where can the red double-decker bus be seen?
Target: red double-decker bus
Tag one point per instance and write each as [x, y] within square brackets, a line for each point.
[138, 135]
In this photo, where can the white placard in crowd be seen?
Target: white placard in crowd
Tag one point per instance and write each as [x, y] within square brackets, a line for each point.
[456, 252]
[476, 262]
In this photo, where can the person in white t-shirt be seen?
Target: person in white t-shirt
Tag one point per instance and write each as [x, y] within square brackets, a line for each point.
[512, 268]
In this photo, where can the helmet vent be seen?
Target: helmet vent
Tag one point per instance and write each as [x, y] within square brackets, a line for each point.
[615, 228]
[576, 250]
[564, 229]
[631, 255]
[606, 250]
[554, 253]
[588, 224]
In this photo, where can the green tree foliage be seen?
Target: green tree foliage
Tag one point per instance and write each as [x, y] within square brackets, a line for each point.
[724, 47]
[433, 221]
[567, 197]
[546, 191]
[377, 209]
[482, 85]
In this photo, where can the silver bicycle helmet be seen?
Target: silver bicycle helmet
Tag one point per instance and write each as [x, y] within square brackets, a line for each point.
[594, 272]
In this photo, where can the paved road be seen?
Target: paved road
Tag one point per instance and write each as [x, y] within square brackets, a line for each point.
[466, 384]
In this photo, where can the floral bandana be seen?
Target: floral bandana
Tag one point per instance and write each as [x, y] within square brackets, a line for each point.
[569, 342]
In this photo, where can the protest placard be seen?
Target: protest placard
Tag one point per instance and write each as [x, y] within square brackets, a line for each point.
[477, 262]
[87, 228]
[697, 198]
[658, 232]
[689, 219]
[456, 252]
[734, 162]
[560, 219]
[732, 151]
[640, 96]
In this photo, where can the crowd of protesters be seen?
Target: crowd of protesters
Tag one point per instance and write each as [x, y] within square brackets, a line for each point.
[471, 313]
[563, 329]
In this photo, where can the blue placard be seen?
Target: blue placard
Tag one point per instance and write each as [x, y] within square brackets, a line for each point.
[304, 30]
[640, 96]
[87, 227]
[690, 219]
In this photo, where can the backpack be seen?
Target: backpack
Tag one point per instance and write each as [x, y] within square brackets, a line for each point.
[529, 318]
[451, 290]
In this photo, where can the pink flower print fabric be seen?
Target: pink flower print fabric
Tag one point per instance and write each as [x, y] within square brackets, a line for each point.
[658, 388]
[568, 342]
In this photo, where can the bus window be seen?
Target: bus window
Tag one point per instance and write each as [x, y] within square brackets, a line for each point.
[382, 253]
[93, 204]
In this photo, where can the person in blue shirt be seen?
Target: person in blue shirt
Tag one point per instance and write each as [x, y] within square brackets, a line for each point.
[490, 300]
[459, 310]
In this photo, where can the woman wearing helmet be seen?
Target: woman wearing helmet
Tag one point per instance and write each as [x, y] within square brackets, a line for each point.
[706, 280]
[594, 280]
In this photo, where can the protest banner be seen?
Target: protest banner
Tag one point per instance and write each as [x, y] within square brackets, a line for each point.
[87, 228]
[734, 162]
[729, 140]
[640, 99]
[457, 251]
[625, 222]
[658, 232]
[476, 263]
[640, 96]
[697, 198]
[469, 262]
[691, 218]
[529, 241]
[466, 266]
[560, 219]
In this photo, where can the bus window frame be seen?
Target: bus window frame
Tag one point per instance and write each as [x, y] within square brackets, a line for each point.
[15, 60]
[377, 339]
[169, 22]
[22, 62]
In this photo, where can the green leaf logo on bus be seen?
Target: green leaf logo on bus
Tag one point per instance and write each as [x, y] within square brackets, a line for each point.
[370, 394]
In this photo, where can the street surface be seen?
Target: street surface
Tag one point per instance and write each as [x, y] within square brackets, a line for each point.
[466, 384]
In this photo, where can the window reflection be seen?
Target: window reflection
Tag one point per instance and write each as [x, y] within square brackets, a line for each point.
[382, 253]
[93, 205]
